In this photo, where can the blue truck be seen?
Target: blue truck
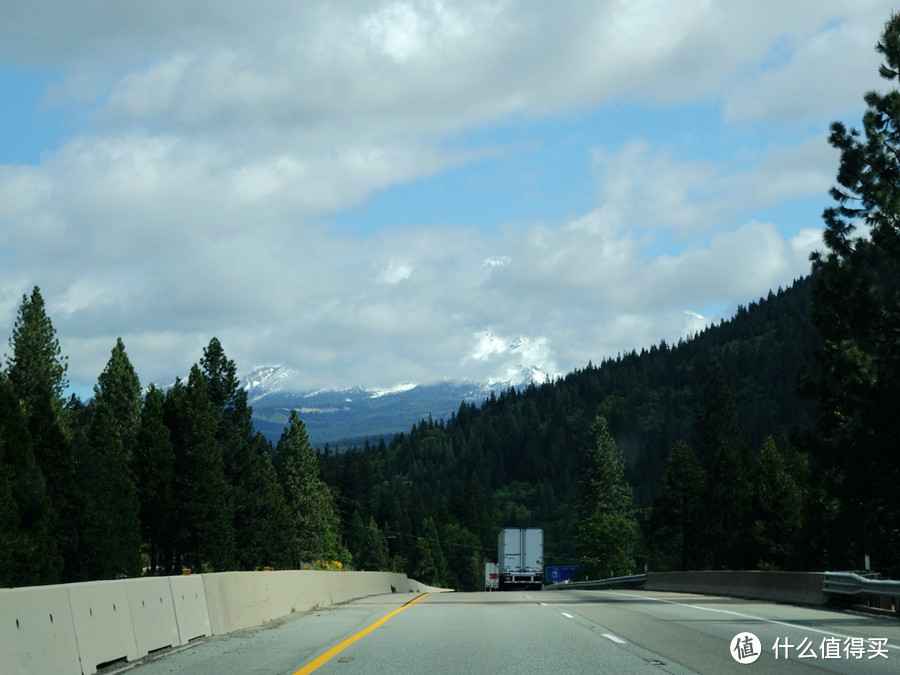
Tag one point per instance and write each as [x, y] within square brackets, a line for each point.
[560, 574]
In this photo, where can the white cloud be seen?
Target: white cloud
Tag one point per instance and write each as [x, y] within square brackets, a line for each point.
[813, 80]
[217, 146]
[302, 294]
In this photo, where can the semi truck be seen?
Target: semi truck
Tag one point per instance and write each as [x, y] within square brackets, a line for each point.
[520, 558]
[491, 576]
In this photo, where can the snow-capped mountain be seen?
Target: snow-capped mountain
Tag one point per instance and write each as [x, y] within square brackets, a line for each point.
[336, 415]
[266, 380]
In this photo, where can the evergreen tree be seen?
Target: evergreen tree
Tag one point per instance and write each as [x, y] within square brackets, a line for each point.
[37, 371]
[110, 526]
[154, 469]
[314, 523]
[356, 537]
[373, 555]
[603, 486]
[261, 515]
[261, 519]
[222, 383]
[204, 537]
[857, 308]
[465, 560]
[118, 387]
[606, 534]
[675, 521]
[472, 507]
[723, 452]
[431, 566]
[27, 545]
[36, 368]
[778, 507]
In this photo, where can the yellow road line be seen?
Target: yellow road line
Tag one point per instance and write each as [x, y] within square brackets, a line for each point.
[337, 649]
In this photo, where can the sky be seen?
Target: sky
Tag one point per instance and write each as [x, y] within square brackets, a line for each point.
[377, 193]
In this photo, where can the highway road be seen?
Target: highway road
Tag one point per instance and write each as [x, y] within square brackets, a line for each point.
[547, 632]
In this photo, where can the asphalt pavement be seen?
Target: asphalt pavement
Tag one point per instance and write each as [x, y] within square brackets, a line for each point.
[547, 632]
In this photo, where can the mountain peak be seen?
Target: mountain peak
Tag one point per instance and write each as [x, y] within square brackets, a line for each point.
[264, 380]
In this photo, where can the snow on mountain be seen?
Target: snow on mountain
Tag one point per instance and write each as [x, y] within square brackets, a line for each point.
[266, 380]
[263, 380]
[518, 378]
[392, 390]
[335, 415]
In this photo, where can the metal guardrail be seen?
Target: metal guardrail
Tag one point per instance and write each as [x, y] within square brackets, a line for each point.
[848, 583]
[633, 580]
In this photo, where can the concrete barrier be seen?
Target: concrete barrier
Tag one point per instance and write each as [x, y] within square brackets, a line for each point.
[191, 613]
[237, 600]
[794, 587]
[103, 626]
[152, 614]
[75, 628]
[37, 634]
[359, 584]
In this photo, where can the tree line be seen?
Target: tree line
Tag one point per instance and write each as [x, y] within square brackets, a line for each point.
[152, 482]
[590, 457]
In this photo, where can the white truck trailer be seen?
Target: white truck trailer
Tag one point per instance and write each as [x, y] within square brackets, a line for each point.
[491, 576]
[520, 557]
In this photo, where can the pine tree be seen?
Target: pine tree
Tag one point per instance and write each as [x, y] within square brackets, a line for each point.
[857, 308]
[36, 368]
[205, 537]
[27, 545]
[261, 519]
[675, 522]
[465, 560]
[603, 486]
[778, 507]
[110, 525]
[120, 388]
[314, 523]
[37, 372]
[720, 446]
[153, 463]
[373, 555]
[356, 536]
[431, 566]
[606, 534]
[222, 383]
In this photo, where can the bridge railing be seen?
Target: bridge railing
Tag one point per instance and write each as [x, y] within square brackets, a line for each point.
[632, 581]
[848, 583]
[881, 593]
[803, 587]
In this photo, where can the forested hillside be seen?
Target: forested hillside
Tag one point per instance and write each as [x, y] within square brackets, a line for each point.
[517, 460]
[128, 483]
